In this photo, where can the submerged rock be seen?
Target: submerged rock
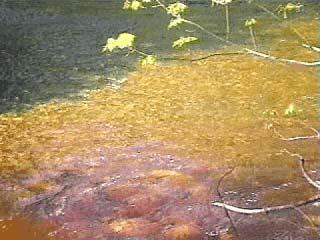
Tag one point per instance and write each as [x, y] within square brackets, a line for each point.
[187, 232]
[135, 191]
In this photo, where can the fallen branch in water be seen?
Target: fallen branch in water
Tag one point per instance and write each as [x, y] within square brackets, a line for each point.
[303, 170]
[251, 211]
[312, 224]
[317, 136]
[267, 56]
[316, 49]
[248, 211]
[217, 54]
[221, 198]
[313, 199]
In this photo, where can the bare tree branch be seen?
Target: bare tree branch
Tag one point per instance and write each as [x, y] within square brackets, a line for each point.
[267, 56]
[305, 175]
[313, 227]
[299, 137]
[248, 211]
[252, 211]
[302, 37]
[221, 198]
[316, 49]
[217, 54]
[263, 55]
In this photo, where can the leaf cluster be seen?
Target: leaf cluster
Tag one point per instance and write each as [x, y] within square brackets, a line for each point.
[124, 40]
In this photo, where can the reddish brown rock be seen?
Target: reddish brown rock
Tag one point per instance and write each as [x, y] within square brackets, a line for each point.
[142, 204]
[132, 228]
[184, 232]
[122, 192]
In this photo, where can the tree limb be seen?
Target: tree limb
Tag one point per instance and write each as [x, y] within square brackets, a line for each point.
[217, 54]
[252, 211]
[248, 211]
[267, 56]
[303, 170]
[313, 227]
[299, 137]
[221, 198]
[316, 49]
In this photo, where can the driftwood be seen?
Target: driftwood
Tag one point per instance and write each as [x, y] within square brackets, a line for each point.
[251, 211]
[221, 198]
[317, 136]
[303, 170]
[316, 49]
[313, 199]
[267, 56]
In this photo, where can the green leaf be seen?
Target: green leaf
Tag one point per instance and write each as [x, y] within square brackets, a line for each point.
[124, 40]
[126, 5]
[290, 7]
[182, 41]
[290, 111]
[132, 5]
[136, 5]
[149, 60]
[251, 22]
[176, 9]
[110, 45]
[175, 22]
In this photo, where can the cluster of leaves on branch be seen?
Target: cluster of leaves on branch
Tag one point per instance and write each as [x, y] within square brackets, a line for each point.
[183, 40]
[134, 5]
[289, 8]
[124, 40]
[176, 11]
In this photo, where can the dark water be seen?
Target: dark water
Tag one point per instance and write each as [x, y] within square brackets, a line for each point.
[51, 50]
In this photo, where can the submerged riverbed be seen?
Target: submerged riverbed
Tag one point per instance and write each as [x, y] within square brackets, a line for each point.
[144, 161]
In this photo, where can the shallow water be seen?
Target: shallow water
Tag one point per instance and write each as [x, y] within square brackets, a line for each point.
[143, 162]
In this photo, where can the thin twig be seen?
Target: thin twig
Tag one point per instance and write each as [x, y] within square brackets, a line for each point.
[248, 211]
[316, 49]
[252, 211]
[139, 52]
[227, 21]
[303, 170]
[162, 5]
[247, 50]
[313, 227]
[221, 198]
[267, 56]
[217, 54]
[280, 19]
[253, 39]
[299, 137]
[208, 32]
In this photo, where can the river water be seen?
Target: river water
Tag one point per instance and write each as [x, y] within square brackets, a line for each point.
[51, 51]
[142, 159]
